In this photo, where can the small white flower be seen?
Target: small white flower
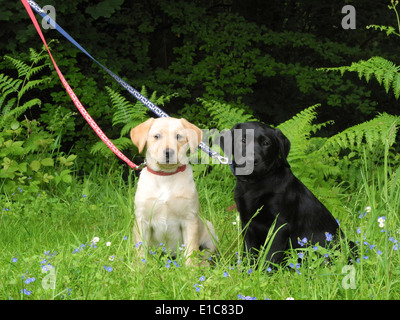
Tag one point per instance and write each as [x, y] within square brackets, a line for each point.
[234, 223]
[368, 209]
[381, 221]
[289, 298]
[108, 244]
[111, 258]
[96, 239]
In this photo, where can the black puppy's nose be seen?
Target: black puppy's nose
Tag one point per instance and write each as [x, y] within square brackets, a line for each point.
[169, 153]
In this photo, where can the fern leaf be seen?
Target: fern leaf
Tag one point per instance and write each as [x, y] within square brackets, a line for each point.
[384, 71]
[30, 85]
[300, 124]
[36, 57]
[100, 148]
[125, 111]
[20, 65]
[370, 133]
[225, 115]
[396, 86]
[8, 83]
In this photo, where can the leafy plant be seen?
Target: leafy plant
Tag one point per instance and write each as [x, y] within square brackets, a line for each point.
[128, 115]
[384, 71]
[225, 116]
[27, 156]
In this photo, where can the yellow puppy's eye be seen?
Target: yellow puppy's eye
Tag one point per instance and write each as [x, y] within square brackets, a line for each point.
[179, 137]
[157, 136]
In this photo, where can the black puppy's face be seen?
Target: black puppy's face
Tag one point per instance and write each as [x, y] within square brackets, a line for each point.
[257, 149]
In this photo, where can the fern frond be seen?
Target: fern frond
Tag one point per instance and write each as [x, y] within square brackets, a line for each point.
[30, 85]
[16, 112]
[300, 124]
[385, 72]
[36, 57]
[9, 84]
[125, 111]
[371, 134]
[128, 114]
[99, 147]
[225, 115]
[20, 65]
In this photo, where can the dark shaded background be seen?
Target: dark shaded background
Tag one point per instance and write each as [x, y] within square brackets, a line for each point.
[258, 55]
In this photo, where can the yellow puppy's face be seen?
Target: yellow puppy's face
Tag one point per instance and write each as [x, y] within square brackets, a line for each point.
[167, 141]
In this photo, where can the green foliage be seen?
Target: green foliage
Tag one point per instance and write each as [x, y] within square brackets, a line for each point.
[224, 116]
[104, 8]
[129, 115]
[384, 71]
[310, 167]
[327, 166]
[27, 156]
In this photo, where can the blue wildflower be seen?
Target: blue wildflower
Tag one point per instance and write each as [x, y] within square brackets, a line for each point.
[302, 242]
[25, 291]
[242, 297]
[109, 269]
[29, 280]
[197, 287]
[328, 236]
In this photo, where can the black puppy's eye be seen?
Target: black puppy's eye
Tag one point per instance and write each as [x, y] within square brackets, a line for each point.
[244, 140]
[157, 136]
[266, 143]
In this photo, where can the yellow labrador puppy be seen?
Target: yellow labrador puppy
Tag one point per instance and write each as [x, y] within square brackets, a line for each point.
[166, 200]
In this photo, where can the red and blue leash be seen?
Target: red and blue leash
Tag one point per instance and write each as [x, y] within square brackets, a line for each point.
[150, 105]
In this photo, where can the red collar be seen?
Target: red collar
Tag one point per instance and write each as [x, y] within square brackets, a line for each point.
[162, 173]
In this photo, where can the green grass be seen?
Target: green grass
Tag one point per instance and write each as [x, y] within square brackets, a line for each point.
[57, 229]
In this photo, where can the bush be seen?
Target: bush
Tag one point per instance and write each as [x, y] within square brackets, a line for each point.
[29, 156]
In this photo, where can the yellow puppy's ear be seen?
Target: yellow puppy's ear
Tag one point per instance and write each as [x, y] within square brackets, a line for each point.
[139, 134]
[194, 134]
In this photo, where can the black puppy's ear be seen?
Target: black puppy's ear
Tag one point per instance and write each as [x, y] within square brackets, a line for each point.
[284, 146]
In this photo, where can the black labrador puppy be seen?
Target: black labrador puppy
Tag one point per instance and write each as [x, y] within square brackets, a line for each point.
[265, 184]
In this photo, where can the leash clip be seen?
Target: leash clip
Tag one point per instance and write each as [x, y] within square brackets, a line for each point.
[222, 160]
[142, 165]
